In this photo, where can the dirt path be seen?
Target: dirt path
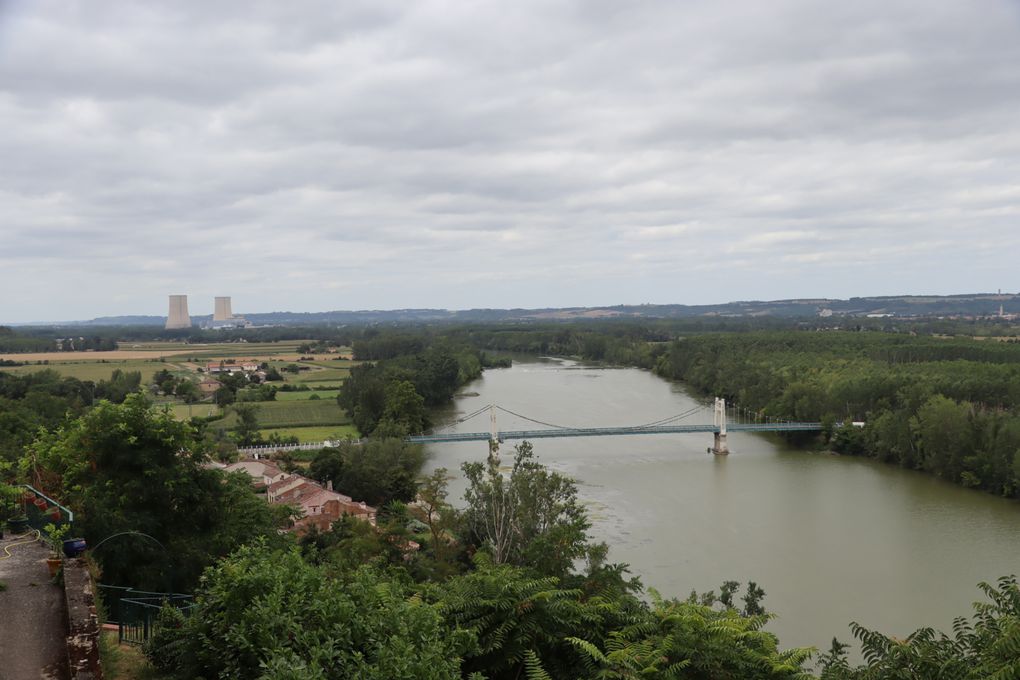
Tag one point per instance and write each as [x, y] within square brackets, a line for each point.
[33, 615]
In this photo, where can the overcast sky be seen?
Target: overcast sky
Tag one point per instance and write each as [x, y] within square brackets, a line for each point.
[311, 156]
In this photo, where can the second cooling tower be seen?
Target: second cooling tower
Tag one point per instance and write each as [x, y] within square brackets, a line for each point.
[222, 310]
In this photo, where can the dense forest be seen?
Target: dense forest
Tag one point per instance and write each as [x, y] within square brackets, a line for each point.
[404, 375]
[948, 406]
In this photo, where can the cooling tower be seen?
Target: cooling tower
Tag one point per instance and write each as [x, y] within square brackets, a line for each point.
[178, 316]
[222, 310]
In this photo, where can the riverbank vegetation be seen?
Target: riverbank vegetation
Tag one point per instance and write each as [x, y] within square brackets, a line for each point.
[947, 406]
[404, 375]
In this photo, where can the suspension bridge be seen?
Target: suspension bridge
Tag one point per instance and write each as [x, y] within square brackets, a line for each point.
[725, 418]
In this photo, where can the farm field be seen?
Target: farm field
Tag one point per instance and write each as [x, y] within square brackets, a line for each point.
[93, 370]
[314, 434]
[320, 375]
[275, 414]
[291, 410]
[156, 350]
[185, 411]
[305, 396]
[330, 363]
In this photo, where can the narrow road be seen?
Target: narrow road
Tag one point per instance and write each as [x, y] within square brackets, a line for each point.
[33, 619]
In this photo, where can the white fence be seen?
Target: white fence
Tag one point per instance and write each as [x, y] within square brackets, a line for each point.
[269, 449]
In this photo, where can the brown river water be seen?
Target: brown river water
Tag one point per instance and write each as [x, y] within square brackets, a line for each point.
[831, 539]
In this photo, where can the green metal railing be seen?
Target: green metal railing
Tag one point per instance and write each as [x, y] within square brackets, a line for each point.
[135, 611]
[42, 510]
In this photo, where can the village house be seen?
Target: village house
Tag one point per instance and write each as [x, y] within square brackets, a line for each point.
[241, 365]
[262, 473]
[319, 506]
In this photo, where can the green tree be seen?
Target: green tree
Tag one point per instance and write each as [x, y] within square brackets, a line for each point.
[223, 396]
[327, 465]
[188, 391]
[436, 513]
[131, 468]
[944, 429]
[532, 517]
[404, 412]
[985, 646]
[246, 432]
[687, 640]
[376, 471]
[120, 384]
[265, 614]
[363, 396]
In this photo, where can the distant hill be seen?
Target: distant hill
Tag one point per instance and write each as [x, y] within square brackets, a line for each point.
[978, 304]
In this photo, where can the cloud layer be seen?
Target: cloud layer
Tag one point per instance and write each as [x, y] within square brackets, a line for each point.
[322, 155]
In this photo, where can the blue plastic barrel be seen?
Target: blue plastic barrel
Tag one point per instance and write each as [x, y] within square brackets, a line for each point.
[74, 547]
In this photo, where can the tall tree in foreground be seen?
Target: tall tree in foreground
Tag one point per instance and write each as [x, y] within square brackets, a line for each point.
[531, 517]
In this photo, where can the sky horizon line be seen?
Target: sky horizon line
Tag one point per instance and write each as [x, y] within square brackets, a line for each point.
[237, 311]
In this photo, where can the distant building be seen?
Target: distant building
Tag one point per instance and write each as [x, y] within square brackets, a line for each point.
[222, 309]
[242, 366]
[178, 315]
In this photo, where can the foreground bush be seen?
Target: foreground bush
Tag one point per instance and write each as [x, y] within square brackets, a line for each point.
[272, 615]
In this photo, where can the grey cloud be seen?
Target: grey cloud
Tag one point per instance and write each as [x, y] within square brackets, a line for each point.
[384, 154]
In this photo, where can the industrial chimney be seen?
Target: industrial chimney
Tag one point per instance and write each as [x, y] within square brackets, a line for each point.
[222, 310]
[178, 317]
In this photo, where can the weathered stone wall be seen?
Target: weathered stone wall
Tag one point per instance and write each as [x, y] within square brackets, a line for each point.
[83, 622]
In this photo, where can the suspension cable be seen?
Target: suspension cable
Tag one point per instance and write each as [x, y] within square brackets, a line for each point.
[540, 422]
[663, 421]
[465, 418]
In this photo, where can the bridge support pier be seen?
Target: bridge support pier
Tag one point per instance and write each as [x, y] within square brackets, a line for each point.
[720, 447]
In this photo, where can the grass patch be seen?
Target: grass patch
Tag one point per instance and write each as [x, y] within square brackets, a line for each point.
[314, 434]
[123, 662]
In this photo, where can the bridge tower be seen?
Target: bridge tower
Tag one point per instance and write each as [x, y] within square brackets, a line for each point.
[493, 437]
[720, 447]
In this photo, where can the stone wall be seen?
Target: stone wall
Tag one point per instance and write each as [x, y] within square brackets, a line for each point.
[83, 622]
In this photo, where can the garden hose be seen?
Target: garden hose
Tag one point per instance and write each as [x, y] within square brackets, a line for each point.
[7, 548]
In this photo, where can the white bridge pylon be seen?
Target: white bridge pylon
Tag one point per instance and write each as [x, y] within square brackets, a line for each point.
[719, 446]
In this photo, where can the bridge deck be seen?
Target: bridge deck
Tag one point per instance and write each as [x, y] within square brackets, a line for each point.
[564, 432]
[612, 431]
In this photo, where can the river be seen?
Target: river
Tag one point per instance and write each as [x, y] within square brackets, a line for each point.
[831, 539]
